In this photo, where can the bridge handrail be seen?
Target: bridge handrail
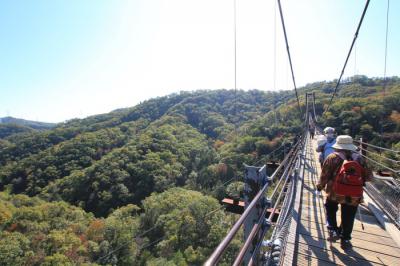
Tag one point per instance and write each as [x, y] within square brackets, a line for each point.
[216, 255]
[283, 217]
[286, 175]
[377, 147]
[380, 164]
[387, 197]
[379, 155]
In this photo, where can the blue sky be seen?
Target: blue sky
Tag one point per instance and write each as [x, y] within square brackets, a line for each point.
[65, 59]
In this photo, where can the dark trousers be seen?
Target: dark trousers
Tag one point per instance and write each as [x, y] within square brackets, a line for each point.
[348, 214]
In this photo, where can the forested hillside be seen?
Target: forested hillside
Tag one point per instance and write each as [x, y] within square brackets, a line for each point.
[10, 125]
[141, 186]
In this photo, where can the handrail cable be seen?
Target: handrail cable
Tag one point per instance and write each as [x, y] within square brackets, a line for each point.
[347, 58]
[256, 227]
[379, 155]
[287, 177]
[283, 218]
[384, 166]
[288, 52]
[377, 147]
[216, 255]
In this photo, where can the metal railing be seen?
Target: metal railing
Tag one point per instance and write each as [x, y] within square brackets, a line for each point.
[261, 223]
[386, 193]
[288, 189]
[277, 243]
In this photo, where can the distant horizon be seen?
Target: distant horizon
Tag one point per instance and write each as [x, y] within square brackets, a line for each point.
[133, 105]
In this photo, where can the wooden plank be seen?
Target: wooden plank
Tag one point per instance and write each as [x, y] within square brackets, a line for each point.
[371, 247]
[333, 249]
[368, 221]
[308, 258]
[334, 254]
[289, 253]
[380, 247]
[304, 259]
[312, 229]
[370, 228]
[307, 255]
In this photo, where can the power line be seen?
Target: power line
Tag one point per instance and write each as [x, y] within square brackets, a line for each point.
[288, 52]
[348, 55]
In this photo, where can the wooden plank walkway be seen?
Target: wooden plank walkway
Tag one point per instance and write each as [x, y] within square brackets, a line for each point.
[309, 243]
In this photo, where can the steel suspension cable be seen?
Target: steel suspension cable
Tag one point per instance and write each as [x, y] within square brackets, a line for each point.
[386, 42]
[348, 56]
[315, 115]
[384, 68]
[288, 52]
[235, 56]
[355, 60]
[275, 46]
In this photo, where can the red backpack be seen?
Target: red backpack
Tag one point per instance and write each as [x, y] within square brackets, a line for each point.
[349, 180]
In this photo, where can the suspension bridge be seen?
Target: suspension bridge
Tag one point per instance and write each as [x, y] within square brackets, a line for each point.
[284, 219]
[288, 226]
[299, 235]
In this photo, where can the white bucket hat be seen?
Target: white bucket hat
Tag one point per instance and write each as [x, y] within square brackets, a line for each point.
[344, 142]
[329, 130]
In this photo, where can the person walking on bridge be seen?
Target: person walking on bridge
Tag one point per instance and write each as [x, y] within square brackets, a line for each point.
[343, 176]
[325, 148]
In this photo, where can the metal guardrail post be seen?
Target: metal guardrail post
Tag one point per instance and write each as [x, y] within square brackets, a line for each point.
[255, 178]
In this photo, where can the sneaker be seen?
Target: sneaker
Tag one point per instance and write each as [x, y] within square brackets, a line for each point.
[345, 244]
[333, 235]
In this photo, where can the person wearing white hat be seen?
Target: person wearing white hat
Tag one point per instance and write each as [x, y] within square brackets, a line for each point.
[325, 147]
[343, 175]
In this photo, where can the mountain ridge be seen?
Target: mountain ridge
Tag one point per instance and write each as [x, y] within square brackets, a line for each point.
[29, 123]
[132, 187]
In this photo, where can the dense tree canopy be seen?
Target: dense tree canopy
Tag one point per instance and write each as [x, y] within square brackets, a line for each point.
[85, 191]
